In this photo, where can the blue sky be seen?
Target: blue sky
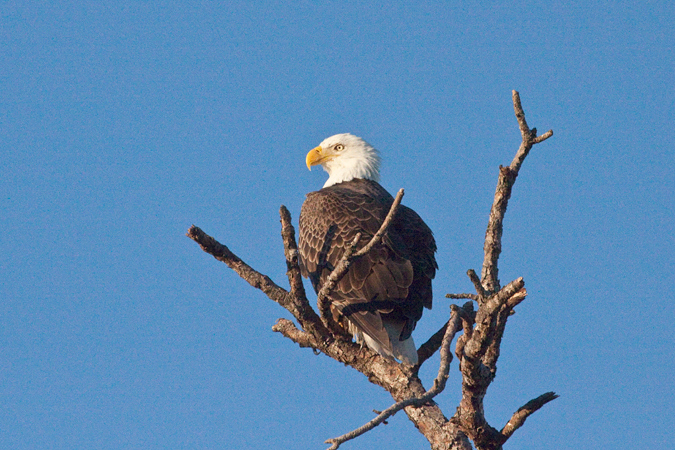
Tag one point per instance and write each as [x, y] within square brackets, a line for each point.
[123, 123]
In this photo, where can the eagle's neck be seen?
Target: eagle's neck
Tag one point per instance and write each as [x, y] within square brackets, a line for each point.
[341, 170]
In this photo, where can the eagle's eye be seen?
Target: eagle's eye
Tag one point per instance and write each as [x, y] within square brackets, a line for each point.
[339, 147]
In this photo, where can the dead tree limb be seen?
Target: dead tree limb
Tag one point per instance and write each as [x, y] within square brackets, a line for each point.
[477, 348]
[507, 177]
[473, 297]
[518, 418]
[252, 276]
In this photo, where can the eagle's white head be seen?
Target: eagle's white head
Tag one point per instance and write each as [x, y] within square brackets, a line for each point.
[344, 157]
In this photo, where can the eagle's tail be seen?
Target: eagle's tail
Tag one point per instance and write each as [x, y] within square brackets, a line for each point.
[405, 351]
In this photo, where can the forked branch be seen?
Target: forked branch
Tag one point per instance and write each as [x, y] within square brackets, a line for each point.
[507, 177]
[479, 348]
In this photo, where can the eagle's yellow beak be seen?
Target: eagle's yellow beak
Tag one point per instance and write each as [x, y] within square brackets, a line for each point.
[316, 156]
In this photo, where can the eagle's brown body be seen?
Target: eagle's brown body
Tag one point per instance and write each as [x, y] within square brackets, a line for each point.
[383, 294]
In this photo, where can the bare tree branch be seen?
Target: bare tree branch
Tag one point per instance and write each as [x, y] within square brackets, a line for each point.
[322, 299]
[253, 277]
[306, 315]
[518, 418]
[301, 311]
[479, 353]
[385, 224]
[479, 348]
[507, 177]
[288, 329]
[473, 297]
[529, 136]
[494, 302]
[490, 322]
[480, 290]
[430, 347]
[516, 298]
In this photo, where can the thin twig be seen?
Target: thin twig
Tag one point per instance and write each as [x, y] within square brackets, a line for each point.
[428, 349]
[439, 385]
[334, 278]
[529, 136]
[480, 290]
[543, 137]
[473, 297]
[385, 224]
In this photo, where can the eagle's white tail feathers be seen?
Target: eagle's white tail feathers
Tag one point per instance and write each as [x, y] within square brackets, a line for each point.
[405, 351]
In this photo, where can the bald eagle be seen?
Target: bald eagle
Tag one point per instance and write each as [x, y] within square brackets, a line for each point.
[383, 294]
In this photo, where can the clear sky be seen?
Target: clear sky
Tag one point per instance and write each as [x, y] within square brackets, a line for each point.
[123, 123]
